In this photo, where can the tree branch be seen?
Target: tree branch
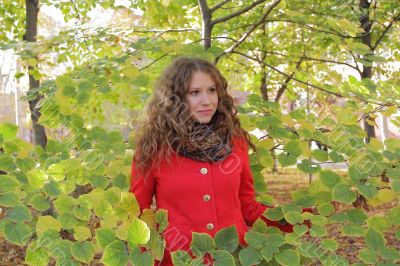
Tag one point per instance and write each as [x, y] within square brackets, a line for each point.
[396, 18]
[312, 59]
[212, 10]
[237, 13]
[246, 34]
[287, 75]
[312, 28]
[284, 85]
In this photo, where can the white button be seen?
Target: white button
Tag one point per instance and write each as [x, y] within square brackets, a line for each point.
[206, 197]
[203, 171]
[210, 226]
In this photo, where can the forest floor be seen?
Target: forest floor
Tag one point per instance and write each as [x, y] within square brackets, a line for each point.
[280, 186]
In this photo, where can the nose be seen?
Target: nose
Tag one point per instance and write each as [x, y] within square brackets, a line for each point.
[205, 99]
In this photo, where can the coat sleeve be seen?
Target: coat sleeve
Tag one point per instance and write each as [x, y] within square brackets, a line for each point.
[251, 209]
[143, 188]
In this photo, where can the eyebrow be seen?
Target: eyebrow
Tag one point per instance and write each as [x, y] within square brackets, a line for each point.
[195, 88]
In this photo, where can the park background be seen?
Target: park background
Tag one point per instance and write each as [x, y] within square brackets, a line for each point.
[316, 82]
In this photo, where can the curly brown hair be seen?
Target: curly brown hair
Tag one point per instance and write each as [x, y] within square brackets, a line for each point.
[167, 117]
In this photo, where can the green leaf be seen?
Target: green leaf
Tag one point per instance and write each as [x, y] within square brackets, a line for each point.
[9, 199]
[36, 178]
[391, 254]
[379, 223]
[8, 183]
[285, 159]
[6, 163]
[394, 215]
[25, 164]
[39, 202]
[81, 212]
[105, 236]
[115, 254]
[320, 155]
[162, 219]
[47, 222]
[20, 214]
[293, 147]
[8, 131]
[357, 216]
[353, 230]
[180, 258]
[293, 217]
[52, 189]
[227, 238]
[103, 208]
[343, 193]
[64, 203]
[274, 214]
[254, 239]
[36, 256]
[308, 167]
[223, 258]
[201, 243]
[17, 233]
[60, 249]
[300, 229]
[249, 256]
[141, 259]
[368, 256]
[367, 190]
[288, 257]
[374, 240]
[326, 209]
[138, 233]
[329, 178]
[329, 244]
[268, 253]
[318, 231]
[82, 251]
[156, 245]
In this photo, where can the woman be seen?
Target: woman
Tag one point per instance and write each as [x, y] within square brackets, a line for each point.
[192, 155]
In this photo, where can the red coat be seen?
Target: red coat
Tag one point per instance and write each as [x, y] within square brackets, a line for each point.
[202, 197]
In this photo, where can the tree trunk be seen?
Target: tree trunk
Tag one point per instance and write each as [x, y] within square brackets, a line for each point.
[32, 9]
[367, 70]
[206, 25]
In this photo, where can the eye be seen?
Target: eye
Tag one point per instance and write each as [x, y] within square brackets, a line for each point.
[193, 92]
[213, 89]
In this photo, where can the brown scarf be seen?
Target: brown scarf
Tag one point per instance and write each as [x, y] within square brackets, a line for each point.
[207, 142]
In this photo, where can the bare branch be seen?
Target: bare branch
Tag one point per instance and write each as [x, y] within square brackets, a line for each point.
[396, 18]
[288, 79]
[237, 13]
[313, 28]
[312, 59]
[212, 10]
[287, 75]
[246, 34]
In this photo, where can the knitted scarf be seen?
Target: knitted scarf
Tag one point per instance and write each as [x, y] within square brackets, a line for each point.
[207, 142]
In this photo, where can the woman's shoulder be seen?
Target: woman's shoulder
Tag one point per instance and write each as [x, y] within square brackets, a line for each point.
[240, 142]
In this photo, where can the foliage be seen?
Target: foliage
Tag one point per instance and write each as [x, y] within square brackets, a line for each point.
[70, 202]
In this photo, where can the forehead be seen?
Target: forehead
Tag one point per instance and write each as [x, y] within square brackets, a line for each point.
[201, 79]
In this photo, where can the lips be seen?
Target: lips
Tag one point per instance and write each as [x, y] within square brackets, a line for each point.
[205, 111]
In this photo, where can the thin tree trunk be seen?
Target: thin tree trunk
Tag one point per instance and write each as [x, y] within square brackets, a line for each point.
[206, 25]
[32, 9]
[367, 70]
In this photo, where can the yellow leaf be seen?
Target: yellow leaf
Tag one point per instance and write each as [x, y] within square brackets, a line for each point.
[81, 233]
[375, 145]
[148, 217]
[386, 195]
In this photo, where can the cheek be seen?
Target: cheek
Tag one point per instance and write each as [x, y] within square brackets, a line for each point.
[191, 103]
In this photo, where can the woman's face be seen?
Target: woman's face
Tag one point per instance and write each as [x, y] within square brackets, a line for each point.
[202, 97]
